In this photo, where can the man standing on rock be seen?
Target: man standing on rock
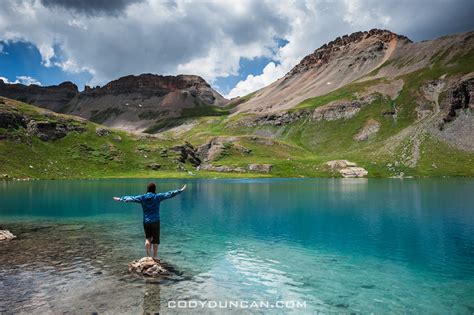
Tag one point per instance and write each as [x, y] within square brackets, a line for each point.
[151, 213]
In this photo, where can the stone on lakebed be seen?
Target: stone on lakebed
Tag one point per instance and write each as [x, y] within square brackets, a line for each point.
[147, 267]
[6, 235]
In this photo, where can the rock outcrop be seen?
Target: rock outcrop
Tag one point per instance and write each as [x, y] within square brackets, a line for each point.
[147, 267]
[371, 127]
[455, 122]
[219, 147]
[52, 130]
[275, 119]
[347, 168]
[6, 235]
[50, 127]
[186, 153]
[460, 97]
[341, 109]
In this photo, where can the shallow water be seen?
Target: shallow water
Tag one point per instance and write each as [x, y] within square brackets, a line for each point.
[335, 244]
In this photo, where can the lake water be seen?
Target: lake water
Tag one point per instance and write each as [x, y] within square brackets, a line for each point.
[343, 245]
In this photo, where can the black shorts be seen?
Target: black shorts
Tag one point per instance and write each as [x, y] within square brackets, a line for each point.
[152, 232]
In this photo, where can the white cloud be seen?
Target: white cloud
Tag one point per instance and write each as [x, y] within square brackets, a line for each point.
[117, 38]
[270, 73]
[27, 80]
[23, 79]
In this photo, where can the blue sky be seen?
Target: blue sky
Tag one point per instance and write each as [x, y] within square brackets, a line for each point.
[21, 59]
[237, 46]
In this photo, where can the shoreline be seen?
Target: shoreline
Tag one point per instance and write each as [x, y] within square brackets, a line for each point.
[227, 176]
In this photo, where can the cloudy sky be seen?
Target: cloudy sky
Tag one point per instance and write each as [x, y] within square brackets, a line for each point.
[237, 46]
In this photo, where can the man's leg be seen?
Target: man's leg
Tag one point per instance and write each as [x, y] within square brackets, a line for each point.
[156, 238]
[147, 246]
[155, 250]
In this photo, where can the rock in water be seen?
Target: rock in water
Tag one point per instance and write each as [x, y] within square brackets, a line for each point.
[147, 267]
[6, 235]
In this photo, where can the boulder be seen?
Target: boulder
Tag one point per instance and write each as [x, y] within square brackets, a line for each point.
[154, 166]
[147, 267]
[102, 132]
[6, 235]
[353, 172]
[347, 168]
[260, 168]
[219, 168]
[340, 164]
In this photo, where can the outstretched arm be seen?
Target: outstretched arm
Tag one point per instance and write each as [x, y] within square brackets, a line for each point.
[137, 199]
[171, 193]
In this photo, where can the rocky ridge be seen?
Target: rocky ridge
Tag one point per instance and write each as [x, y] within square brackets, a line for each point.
[131, 102]
[326, 52]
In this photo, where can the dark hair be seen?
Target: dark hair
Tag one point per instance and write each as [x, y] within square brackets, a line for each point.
[151, 187]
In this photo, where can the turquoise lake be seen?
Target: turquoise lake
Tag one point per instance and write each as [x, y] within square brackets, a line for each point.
[338, 245]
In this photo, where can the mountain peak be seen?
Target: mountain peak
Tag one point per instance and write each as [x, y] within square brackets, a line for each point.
[376, 39]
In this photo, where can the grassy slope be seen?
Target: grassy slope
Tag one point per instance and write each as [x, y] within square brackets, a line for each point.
[298, 149]
[84, 155]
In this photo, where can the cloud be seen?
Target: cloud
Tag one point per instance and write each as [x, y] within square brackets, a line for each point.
[23, 79]
[95, 7]
[270, 73]
[109, 39]
[203, 38]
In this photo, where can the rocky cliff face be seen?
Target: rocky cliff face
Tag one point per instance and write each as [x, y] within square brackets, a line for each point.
[131, 102]
[53, 97]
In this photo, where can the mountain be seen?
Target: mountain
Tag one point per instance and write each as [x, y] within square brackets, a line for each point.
[367, 104]
[132, 102]
[377, 99]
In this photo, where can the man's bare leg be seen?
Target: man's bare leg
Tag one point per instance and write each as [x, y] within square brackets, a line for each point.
[147, 246]
[155, 250]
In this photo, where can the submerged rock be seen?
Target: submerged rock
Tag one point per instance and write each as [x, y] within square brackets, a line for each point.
[6, 235]
[147, 267]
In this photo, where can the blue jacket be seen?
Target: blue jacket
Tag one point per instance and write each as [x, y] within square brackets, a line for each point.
[151, 203]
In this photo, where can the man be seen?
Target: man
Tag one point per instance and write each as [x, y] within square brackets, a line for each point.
[151, 213]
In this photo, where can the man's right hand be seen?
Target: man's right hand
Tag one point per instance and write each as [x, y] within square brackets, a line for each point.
[116, 198]
[184, 187]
